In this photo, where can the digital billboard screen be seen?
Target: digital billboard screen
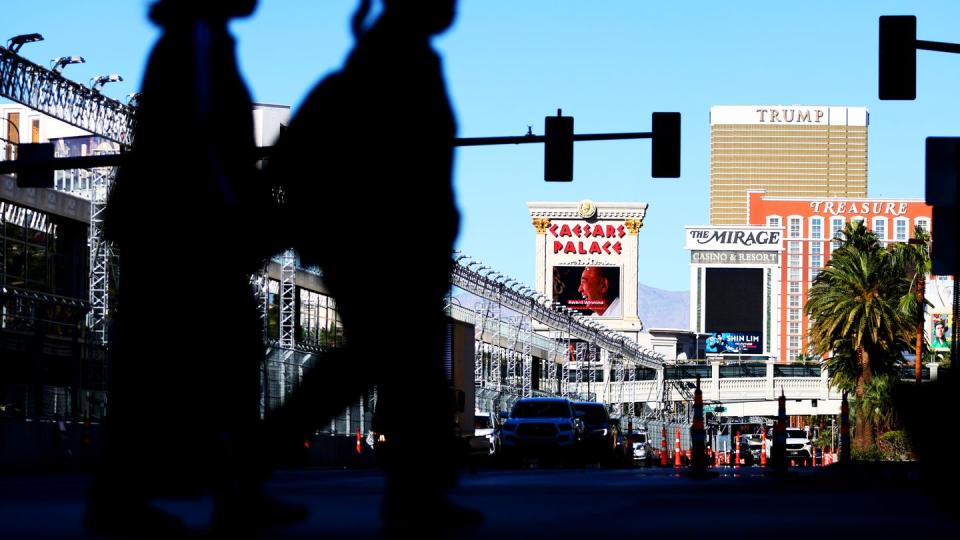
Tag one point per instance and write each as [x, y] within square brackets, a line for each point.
[940, 337]
[733, 310]
[590, 290]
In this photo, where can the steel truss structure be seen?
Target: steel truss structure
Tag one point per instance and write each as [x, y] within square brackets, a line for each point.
[288, 298]
[100, 257]
[504, 333]
[47, 91]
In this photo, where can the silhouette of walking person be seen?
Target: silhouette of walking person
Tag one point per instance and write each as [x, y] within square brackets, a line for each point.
[374, 142]
[187, 342]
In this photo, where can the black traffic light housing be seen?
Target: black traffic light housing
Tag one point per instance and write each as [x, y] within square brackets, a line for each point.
[898, 57]
[558, 148]
[942, 186]
[31, 173]
[665, 146]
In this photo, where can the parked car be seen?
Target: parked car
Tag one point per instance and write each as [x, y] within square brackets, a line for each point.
[643, 452]
[540, 427]
[799, 447]
[599, 432]
[485, 425]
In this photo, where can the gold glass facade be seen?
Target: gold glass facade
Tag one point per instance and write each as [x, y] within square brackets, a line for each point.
[786, 160]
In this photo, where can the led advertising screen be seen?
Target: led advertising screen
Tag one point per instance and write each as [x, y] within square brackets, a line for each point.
[590, 290]
[733, 310]
[734, 343]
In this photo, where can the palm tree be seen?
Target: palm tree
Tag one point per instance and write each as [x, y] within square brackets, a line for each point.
[854, 305]
[913, 258]
[878, 402]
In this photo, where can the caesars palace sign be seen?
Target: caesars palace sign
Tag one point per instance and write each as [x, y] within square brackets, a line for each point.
[587, 239]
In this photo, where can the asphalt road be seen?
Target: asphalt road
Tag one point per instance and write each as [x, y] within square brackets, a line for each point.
[562, 503]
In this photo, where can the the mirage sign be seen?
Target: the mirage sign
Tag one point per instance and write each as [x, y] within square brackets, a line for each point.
[746, 238]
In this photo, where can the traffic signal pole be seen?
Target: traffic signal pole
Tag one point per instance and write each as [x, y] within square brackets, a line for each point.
[559, 137]
[530, 138]
[558, 152]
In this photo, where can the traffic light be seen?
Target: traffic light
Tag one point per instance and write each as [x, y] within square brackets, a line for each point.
[558, 148]
[898, 57]
[35, 176]
[665, 145]
[942, 184]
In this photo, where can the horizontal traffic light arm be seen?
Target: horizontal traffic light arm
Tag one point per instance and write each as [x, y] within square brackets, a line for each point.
[939, 46]
[526, 139]
[115, 160]
[84, 162]
[60, 164]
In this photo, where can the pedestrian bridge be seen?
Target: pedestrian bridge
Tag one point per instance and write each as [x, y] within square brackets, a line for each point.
[737, 390]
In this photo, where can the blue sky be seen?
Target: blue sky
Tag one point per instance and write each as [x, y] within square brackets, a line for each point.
[608, 63]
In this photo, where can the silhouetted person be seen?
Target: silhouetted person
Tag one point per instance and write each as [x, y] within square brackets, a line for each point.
[187, 342]
[372, 149]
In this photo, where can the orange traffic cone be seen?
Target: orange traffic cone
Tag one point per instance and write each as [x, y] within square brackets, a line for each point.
[763, 448]
[676, 452]
[359, 446]
[663, 447]
[736, 454]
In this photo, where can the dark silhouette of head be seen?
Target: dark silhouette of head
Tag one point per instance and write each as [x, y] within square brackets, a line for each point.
[425, 17]
[431, 16]
[166, 11]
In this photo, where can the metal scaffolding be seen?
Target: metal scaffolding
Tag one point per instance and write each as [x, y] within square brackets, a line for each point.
[288, 299]
[100, 258]
[504, 333]
[49, 92]
[510, 298]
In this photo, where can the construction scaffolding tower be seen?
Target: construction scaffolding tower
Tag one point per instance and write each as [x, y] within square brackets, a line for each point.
[47, 91]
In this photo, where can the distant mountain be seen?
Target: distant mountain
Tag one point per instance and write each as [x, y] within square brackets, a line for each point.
[663, 309]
